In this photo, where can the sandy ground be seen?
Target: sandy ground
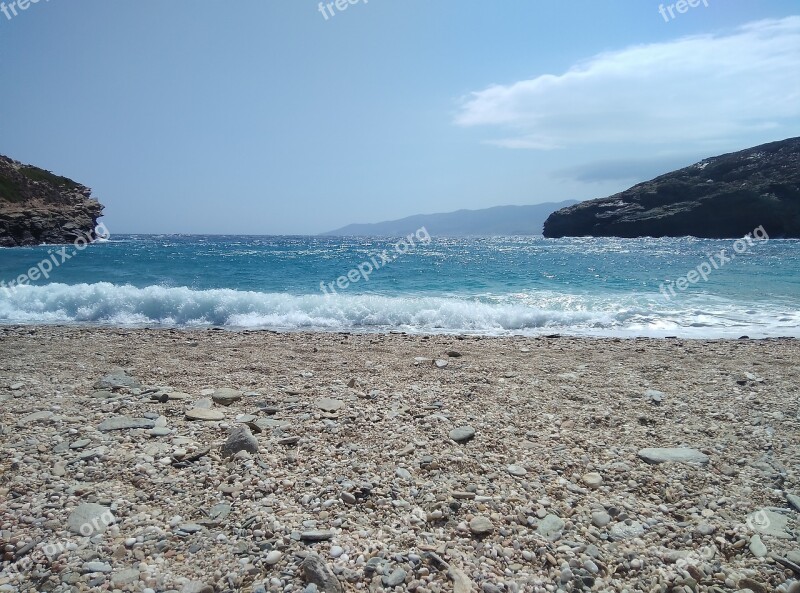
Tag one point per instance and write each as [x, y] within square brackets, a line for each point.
[357, 483]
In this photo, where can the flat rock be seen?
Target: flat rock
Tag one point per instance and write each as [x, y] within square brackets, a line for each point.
[675, 455]
[204, 414]
[516, 470]
[328, 404]
[748, 584]
[125, 423]
[239, 439]
[42, 416]
[117, 380]
[768, 522]
[794, 501]
[316, 535]
[263, 424]
[125, 577]
[463, 434]
[481, 525]
[655, 396]
[461, 582]
[225, 396]
[160, 431]
[96, 567]
[178, 396]
[592, 480]
[219, 511]
[463, 495]
[197, 587]
[621, 531]
[90, 519]
[550, 525]
[441, 363]
[395, 578]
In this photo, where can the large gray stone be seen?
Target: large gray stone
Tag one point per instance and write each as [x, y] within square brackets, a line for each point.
[317, 572]
[675, 455]
[328, 404]
[239, 439]
[125, 423]
[90, 519]
[463, 434]
[395, 578]
[225, 396]
[481, 526]
[622, 531]
[550, 525]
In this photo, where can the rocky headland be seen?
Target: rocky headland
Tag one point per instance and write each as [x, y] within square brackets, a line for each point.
[720, 197]
[37, 206]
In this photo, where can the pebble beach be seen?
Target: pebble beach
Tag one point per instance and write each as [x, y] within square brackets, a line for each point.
[202, 461]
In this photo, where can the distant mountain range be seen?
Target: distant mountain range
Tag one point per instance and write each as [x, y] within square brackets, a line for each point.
[721, 197]
[500, 220]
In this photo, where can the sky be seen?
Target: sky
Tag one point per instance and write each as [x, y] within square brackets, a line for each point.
[288, 117]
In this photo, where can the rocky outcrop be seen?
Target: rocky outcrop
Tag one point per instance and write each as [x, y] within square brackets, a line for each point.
[38, 207]
[721, 197]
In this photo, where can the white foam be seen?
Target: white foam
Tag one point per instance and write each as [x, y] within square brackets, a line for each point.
[518, 313]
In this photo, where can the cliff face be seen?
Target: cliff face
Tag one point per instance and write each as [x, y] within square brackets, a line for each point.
[37, 207]
[721, 197]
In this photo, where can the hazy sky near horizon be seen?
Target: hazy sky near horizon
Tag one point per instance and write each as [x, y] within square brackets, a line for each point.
[264, 117]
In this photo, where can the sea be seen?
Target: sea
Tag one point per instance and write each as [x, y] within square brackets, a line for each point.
[423, 284]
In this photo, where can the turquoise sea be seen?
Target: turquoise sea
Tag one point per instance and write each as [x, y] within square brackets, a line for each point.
[490, 286]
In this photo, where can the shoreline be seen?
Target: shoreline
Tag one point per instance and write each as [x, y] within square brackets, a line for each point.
[458, 335]
[359, 474]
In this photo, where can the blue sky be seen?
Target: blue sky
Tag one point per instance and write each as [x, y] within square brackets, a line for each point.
[263, 117]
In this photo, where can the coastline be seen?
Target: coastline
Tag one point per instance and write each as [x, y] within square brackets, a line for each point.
[375, 474]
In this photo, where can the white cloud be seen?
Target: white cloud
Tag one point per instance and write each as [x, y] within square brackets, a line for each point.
[701, 89]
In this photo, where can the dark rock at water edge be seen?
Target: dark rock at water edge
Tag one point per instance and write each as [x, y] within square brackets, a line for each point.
[720, 197]
[37, 206]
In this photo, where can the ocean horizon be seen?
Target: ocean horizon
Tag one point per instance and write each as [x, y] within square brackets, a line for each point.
[422, 284]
